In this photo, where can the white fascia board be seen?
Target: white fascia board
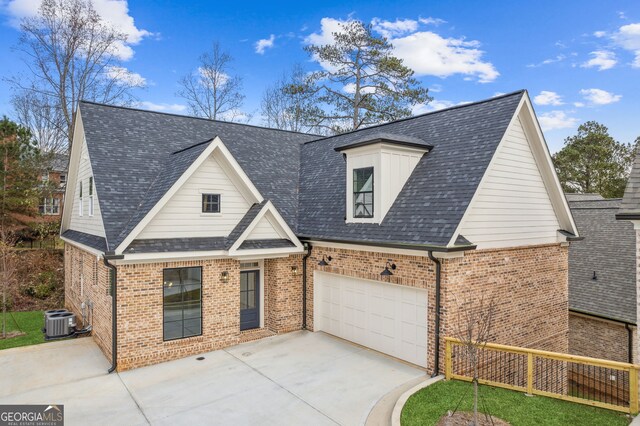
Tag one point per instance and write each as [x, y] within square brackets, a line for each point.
[91, 250]
[266, 253]
[386, 250]
[268, 207]
[72, 173]
[460, 226]
[215, 144]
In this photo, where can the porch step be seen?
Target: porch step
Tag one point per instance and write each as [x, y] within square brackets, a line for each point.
[255, 334]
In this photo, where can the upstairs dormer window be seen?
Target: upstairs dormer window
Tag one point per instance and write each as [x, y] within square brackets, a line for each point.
[378, 166]
[210, 203]
[80, 207]
[363, 192]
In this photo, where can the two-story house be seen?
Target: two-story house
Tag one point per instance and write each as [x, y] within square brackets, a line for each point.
[185, 235]
[54, 181]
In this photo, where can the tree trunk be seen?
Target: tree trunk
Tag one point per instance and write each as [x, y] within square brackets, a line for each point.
[475, 393]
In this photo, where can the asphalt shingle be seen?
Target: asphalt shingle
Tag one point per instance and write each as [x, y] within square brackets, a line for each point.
[608, 250]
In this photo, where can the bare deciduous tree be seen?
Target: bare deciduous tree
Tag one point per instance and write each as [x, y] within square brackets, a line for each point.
[474, 318]
[71, 55]
[210, 91]
[288, 102]
[8, 273]
[47, 125]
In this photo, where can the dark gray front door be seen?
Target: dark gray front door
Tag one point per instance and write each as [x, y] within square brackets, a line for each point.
[249, 299]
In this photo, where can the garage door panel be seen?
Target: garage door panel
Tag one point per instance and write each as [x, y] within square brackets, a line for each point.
[385, 317]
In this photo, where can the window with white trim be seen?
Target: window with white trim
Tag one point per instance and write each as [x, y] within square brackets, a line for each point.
[80, 207]
[50, 206]
[363, 192]
[210, 203]
[91, 196]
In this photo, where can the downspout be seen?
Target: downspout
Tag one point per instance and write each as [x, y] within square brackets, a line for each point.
[304, 285]
[114, 311]
[630, 342]
[436, 370]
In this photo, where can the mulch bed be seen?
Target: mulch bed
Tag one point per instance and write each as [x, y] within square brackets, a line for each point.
[465, 419]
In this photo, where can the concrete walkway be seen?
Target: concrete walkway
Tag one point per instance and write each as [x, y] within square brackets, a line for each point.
[300, 377]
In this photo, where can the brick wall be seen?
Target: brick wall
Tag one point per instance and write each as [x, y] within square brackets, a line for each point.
[599, 338]
[86, 279]
[530, 285]
[140, 315]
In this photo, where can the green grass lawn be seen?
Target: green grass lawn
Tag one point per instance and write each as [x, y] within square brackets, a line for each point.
[29, 322]
[431, 403]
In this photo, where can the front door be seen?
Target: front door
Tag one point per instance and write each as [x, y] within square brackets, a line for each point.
[249, 299]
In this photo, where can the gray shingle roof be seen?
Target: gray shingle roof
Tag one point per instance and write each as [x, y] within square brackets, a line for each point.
[93, 241]
[266, 244]
[434, 199]
[135, 160]
[630, 206]
[583, 197]
[130, 149]
[609, 250]
[386, 138]
[244, 223]
[164, 245]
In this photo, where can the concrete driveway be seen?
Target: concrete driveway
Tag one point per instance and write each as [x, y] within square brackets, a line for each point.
[296, 378]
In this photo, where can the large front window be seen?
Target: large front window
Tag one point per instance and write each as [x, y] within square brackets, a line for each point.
[363, 192]
[182, 302]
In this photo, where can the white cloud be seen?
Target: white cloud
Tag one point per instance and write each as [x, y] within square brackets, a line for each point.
[628, 37]
[391, 29]
[432, 21]
[162, 107]
[435, 88]
[578, 104]
[548, 98]
[114, 13]
[426, 52]
[602, 59]
[558, 58]
[208, 76]
[264, 44]
[600, 34]
[123, 75]
[434, 105]
[599, 96]
[496, 94]
[556, 120]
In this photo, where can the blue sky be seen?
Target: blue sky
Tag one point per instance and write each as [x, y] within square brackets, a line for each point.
[580, 60]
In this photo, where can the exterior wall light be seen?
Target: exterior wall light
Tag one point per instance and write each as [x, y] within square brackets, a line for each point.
[386, 272]
[224, 276]
[325, 260]
[294, 270]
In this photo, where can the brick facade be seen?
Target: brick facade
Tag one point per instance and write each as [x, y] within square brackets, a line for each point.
[86, 279]
[600, 338]
[530, 285]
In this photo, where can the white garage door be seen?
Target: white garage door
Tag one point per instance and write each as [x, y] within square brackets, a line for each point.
[388, 318]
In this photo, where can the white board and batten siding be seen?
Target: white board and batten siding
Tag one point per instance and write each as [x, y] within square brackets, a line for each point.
[512, 206]
[399, 164]
[182, 217]
[88, 224]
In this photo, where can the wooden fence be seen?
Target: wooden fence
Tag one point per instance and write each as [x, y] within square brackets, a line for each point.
[591, 381]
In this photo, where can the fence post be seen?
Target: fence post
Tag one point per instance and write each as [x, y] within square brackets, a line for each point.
[633, 390]
[530, 373]
[447, 359]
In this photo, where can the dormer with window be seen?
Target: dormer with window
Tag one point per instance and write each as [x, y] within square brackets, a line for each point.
[378, 166]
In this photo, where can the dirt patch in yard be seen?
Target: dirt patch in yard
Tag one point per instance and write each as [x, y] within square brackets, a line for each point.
[465, 419]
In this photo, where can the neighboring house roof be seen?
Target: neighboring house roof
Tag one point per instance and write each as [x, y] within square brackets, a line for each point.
[583, 197]
[630, 206]
[131, 149]
[608, 249]
[59, 163]
[430, 206]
